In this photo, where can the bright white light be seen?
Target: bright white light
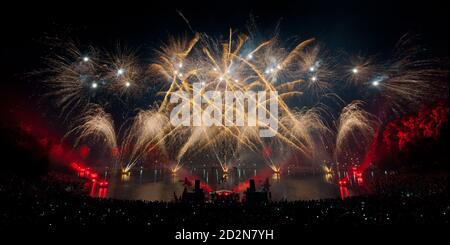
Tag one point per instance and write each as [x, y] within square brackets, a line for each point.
[128, 84]
[267, 71]
[249, 56]
[279, 67]
[85, 59]
[180, 65]
[314, 78]
[355, 70]
[377, 80]
[180, 75]
[120, 72]
[235, 80]
[312, 68]
[215, 69]
[94, 85]
[221, 78]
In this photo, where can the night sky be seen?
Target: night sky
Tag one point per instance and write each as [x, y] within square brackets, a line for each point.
[350, 27]
[367, 27]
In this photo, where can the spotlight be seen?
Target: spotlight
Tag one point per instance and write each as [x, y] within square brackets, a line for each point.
[355, 70]
[120, 72]
[94, 85]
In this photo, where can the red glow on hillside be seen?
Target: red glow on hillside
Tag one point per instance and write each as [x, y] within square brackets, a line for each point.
[84, 151]
[426, 124]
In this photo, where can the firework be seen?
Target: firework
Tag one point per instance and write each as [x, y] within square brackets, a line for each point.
[147, 132]
[355, 128]
[78, 79]
[72, 78]
[360, 69]
[411, 79]
[239, 64]
[97, 125]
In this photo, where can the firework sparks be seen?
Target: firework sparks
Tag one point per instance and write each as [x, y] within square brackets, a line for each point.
[97, 125]
[355, 128]
[237, 64]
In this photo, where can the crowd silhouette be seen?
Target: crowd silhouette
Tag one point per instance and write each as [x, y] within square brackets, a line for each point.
[57, 199]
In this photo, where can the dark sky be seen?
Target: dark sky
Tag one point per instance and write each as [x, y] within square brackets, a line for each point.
[371, 28]
[368, 27]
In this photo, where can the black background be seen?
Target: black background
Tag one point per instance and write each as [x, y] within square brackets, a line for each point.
[353, 26]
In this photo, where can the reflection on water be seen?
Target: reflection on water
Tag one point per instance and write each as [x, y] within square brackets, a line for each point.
[276, 177]
[328, 177]
[125, 177]
[161, 184]
[102, 192]
[343, 190]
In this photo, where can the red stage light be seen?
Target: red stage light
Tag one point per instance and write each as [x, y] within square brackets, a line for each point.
[343, 182]
[103, 183]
